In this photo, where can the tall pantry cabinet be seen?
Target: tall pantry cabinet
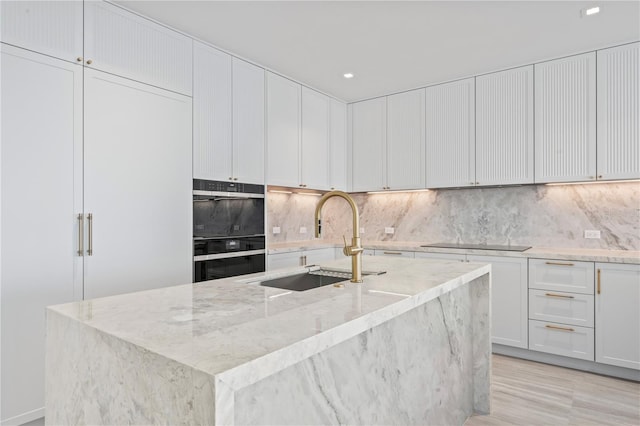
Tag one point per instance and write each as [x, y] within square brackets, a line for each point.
[86, 210]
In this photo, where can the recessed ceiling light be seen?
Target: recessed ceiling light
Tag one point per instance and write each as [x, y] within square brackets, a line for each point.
[590, 11]
[348, 75]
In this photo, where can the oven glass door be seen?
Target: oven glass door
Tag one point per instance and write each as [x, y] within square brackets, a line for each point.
[228, 267]
[228, 217]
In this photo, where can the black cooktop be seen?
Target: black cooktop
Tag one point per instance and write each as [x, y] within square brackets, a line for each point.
[478, 246]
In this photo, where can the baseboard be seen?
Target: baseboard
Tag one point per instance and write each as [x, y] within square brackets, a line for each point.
[563, 361]
[23, 418]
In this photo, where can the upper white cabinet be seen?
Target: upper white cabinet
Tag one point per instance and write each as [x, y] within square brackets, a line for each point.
[314, 166]
[283, 131]
[50, 27]
[228, 117]
[504, 127]
[338, 146]
[450, 134]
[617, 315]
[405, 150]
[619, 112]
[123, 43]
[368, 141]
[248, 122]
[565, 127]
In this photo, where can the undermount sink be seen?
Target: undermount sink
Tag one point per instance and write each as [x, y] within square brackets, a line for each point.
[312, 279]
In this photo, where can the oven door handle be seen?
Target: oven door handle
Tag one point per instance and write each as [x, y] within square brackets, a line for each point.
[205, 257]
[226, 195]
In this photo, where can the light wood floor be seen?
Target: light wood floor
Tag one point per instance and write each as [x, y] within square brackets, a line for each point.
[529, 393]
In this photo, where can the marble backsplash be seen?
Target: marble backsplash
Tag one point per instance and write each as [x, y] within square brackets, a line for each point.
[537, 215]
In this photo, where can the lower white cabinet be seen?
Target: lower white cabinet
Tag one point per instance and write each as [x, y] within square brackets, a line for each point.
[508, 299]
[618, 314]
[561, 339]
[565, 308]
[300, 258]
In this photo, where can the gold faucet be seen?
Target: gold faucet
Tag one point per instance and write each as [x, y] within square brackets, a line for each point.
[355, 249]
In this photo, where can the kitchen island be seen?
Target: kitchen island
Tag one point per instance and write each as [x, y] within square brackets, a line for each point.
[411, 346]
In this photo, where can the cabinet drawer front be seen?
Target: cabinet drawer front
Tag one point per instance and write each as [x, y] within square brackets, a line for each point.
[394, 253]
[561, 339]
[445, 256]
[566, 308]
[561, 275]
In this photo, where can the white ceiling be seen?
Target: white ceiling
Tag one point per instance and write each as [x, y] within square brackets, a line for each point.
[393, 46]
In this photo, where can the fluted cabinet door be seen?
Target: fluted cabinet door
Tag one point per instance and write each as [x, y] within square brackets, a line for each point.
[565, 119]
[50, 27]
[314, 167]
[283, 131]
[368, 139]
[619, 112]
[504, 127]
[405, 140]
[338, 146]
[212, 136]
[248, 122]
[450, 134]
[125, 44]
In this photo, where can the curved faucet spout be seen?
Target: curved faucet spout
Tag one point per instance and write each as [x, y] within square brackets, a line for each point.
[355, 249]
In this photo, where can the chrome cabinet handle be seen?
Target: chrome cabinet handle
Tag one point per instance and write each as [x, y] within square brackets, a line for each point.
[599, 281]
[80, 234]
[90, 220]
[393, 252]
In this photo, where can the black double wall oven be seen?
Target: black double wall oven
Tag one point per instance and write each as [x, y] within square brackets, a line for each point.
[228, 229]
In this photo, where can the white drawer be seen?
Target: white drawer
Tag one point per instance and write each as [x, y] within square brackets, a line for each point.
[561, 275]
[565, 308]
[561, 339]
[394, 253]
[445, 256]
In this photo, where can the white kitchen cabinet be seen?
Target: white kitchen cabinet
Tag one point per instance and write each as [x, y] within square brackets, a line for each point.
[565, 119]
[248, 122]
[314, 151]
[125, 44]
[561, 275]
[561, 339]
[228, 117]
[283, 131]
[443, 256]
[41, 196]
[300, 258]
[405, 143]
[618, 146]
[338, 146]
[504, 127]
[617, 315]
[559, 307]
[509, 319]
[137, 186]
[368, 141]
[450, 134]
[212, 114]
[50, 27]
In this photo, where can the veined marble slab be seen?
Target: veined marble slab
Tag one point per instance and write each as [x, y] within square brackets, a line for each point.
[194, 352]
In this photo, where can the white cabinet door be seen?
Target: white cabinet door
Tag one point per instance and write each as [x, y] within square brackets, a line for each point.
[248, 122]
[617, 315]
[565, 119]
[368, 141]
[504, 127]
[318, 256]
[50, 27]
[450, 134]
[137, 182]
[405, 140]
[41, 196]
[212, 113]
[314, 166]
[284, 260]
[283, 131]
[509, 314]
[338, 146]
[159, 56]
[619, 112]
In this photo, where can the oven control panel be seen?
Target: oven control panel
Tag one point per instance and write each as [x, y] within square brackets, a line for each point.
[222, 186]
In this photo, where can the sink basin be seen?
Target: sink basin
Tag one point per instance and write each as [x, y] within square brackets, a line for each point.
[302, 282]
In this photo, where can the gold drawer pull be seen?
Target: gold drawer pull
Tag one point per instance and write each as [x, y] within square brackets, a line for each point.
[393, 252]
[558, 295]
[560, 263]
[555, 327]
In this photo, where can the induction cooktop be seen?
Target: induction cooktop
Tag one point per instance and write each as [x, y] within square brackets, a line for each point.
[478, 246]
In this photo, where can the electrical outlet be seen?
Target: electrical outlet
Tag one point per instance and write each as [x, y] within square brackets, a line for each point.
[276, 229]
[303, 229]
[591, 233]
[389, 230]
[362, 230]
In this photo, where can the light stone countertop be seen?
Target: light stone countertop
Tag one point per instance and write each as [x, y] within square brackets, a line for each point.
[576, 254]
[236, 327]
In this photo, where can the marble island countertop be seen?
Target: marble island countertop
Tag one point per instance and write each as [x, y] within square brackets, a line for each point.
[576, 254]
